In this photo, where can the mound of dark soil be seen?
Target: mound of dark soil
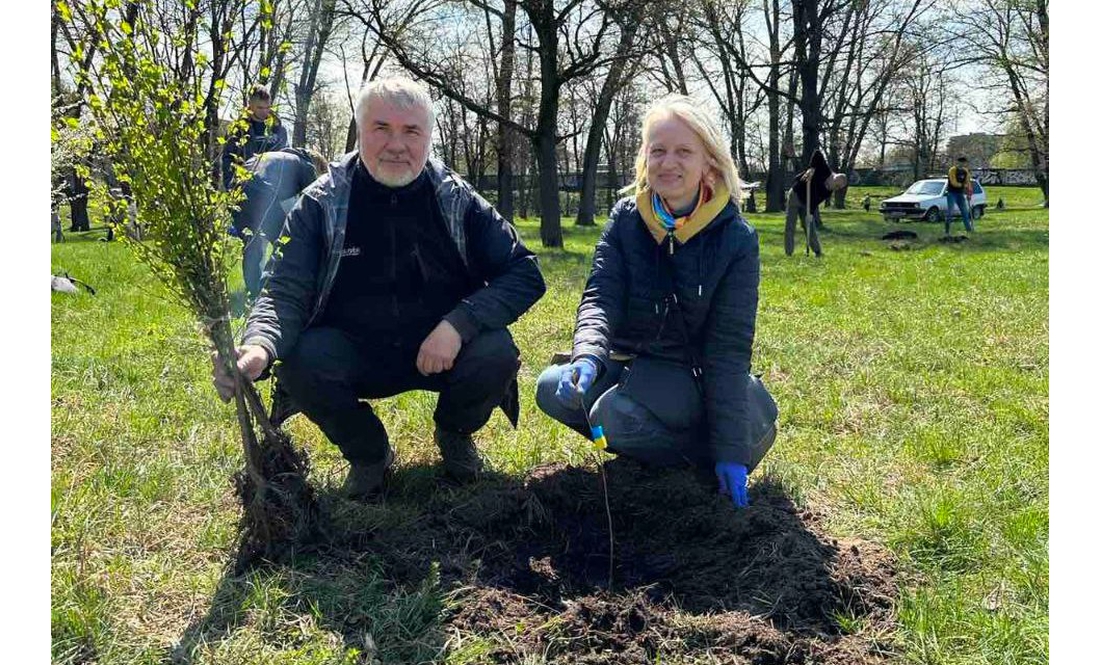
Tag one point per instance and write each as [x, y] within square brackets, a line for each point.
[900, 235]
[686, 578]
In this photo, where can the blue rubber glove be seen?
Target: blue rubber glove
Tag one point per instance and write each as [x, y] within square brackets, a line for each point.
[733, 480]
[577, 377]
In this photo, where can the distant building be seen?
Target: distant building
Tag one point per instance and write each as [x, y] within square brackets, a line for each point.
[978, 147]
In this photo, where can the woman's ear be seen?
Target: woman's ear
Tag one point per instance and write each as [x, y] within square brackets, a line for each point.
[712, 174]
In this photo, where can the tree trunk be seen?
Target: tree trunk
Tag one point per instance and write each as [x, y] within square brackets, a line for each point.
[546, 129]
[1033, 148]
[586, 211]
[807, 35]
[319, 30]
[547, 156]
[840, 198]
[789, 155]
[775, 182]
[612, 172]
[506, 138]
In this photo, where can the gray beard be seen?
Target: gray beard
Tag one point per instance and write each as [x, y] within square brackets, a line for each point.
[394, 182]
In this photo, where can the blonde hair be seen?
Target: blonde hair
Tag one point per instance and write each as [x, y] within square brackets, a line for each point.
[399, 91]
[704, 125]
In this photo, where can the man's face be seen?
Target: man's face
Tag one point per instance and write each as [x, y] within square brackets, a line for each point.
[394, 142]
[259, 108]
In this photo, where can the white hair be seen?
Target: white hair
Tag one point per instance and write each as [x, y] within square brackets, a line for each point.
[399, 91]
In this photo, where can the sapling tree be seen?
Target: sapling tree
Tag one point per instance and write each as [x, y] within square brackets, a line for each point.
[150, 122]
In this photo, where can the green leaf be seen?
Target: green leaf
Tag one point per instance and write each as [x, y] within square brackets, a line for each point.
[126, 27]
[72, 122]
[63, 10]
[265, 72]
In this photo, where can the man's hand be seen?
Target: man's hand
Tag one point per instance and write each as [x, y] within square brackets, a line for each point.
[576, 379]
[251, 361]
[733, 481]
[438, 352]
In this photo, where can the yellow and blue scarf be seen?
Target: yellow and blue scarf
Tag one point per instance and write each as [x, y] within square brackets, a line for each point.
[662, 223]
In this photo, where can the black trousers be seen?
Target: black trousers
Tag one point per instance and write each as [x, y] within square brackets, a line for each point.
[328, 373]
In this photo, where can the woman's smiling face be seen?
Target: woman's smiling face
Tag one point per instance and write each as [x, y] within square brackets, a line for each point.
[676, 161]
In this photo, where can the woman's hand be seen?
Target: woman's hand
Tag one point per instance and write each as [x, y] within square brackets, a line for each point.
[577, 377]
[733, 481]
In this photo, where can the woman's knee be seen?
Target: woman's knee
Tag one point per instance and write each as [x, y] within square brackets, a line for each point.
[622, 417]
[546, 393]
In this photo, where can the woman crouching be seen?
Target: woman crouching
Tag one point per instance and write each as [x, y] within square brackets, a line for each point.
[664, 333]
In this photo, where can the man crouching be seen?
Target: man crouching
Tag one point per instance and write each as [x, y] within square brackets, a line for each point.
[396, 276]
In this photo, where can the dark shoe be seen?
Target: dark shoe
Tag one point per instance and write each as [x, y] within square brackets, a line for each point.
[365, 480]
[460, 458]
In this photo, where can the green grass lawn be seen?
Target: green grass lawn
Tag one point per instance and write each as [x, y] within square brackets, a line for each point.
[913, 395]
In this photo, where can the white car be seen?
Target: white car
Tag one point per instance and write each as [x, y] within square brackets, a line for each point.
[927, 200]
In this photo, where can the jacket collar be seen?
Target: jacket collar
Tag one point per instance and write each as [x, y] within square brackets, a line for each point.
[699, 219]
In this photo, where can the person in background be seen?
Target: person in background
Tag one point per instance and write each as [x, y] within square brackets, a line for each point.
[959, 189]
[264, 132]
[278, 177]
[822, 183]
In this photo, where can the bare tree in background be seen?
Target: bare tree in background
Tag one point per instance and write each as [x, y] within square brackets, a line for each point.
[622, 137]
[324, 125]
[1011, 39]
[810, 17]
[780, 147]
[275, 46]
[929, 97]
[630, 17]
[321, 16]
[723, 24]
[673, 40]
[567, 46]
[777, 48]
[502, 47]
[373, 53]
[870, 59]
